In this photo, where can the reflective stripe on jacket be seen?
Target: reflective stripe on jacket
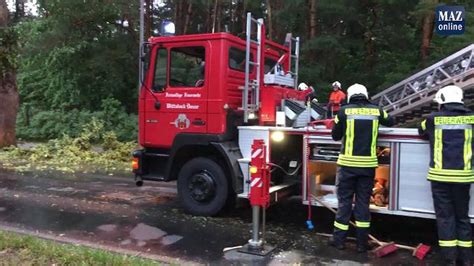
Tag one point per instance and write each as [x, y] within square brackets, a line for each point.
[357, 124]
[450, 134]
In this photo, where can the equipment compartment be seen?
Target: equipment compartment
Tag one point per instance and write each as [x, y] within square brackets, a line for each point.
[322, 169]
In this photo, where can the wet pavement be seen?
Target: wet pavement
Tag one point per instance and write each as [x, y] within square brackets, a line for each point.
[112, 211]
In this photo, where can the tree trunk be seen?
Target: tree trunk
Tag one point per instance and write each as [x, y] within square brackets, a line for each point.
[269, 18]
[427, 34]
[312, 19]
[214, 16]
[209, 16]
[219, 16]
[188, 16]
[19, 10]
[148, 18]
[370, 36]
[8, 91]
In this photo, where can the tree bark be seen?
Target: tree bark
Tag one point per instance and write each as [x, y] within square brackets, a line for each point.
[3, 15]
[214, 16]
[148, 18]
[209, 16]
[312, 19]
[9, 98]
[269, 18]
[219, 16]
[427, 35]
[370, 36]
[188, 16]
[19, 9]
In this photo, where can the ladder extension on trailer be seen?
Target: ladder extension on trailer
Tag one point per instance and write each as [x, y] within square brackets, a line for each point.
[409, 99]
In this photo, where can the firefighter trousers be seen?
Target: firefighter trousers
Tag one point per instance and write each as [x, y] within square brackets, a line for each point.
[352, 181]
[451, 204]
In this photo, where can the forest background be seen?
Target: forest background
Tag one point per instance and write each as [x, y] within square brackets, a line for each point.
[77, 61]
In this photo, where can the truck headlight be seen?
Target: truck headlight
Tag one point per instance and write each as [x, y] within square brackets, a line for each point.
[277, 136]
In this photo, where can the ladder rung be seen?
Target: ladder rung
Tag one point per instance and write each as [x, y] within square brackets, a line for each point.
[254, 41]
[294, 56]
[254, 63]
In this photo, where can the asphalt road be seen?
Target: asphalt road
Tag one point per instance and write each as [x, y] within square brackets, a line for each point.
[112, 212]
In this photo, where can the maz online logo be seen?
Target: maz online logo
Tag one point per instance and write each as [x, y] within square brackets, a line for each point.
[450, 20]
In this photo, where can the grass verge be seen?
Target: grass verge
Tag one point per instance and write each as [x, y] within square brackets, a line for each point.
[26, 250]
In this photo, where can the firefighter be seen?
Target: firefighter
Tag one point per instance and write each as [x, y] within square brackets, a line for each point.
[336, 99]
[357, 125]
[310, 92]
[451, 172]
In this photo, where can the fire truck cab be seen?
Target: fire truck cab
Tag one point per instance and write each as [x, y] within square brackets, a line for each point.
[196, 90]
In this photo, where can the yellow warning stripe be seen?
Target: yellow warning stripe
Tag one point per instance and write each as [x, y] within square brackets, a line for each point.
[447, 243]
[340, 226]
[467, 149]
[375, 131]
[438, 149]
[362, 224]
[464, 244]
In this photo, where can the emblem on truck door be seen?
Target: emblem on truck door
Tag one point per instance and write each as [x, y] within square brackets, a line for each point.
[182, 122]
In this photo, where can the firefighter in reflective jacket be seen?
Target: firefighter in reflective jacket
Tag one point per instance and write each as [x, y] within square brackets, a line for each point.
[357, 124]
[336, 98]
[451, 171]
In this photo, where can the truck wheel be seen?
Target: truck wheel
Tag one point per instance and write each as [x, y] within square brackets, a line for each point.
[202, 187]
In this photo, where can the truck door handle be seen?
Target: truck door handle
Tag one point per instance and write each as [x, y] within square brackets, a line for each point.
[199, 122]
[157, 105]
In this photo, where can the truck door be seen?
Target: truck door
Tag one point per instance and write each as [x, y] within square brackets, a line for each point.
[179, 87]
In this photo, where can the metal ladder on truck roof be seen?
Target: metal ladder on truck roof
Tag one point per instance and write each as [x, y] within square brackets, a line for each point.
[293, 41]
[252, 87]
[409, 99]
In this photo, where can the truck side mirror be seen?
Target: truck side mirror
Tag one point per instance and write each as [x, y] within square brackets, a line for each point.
[145, 56]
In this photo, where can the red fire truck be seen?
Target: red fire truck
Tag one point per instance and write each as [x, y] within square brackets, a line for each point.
[196, 90]
[206, 99]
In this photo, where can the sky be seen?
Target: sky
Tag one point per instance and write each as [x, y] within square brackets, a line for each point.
[31, 9]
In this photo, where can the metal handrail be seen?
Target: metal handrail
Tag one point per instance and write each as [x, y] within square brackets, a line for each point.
[255, 84]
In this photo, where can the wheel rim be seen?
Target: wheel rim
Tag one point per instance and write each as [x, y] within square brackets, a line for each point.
[202, 187]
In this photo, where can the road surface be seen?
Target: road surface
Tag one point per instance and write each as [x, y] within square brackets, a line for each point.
[112, 212]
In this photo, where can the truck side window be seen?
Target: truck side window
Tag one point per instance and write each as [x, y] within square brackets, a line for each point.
[237, 59]
[161, 66]
[269, 65]
[187, 66]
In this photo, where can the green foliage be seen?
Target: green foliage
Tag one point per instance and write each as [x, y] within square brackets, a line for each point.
[94, 146]
[78, 59]
[40, 125]
[8, 50]
[27, 250]
[75, 55]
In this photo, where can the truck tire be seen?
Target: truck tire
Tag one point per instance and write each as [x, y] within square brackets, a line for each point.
[203, 187]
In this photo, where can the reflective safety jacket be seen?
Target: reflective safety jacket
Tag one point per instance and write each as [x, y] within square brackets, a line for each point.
[357, 124]
[450, 134]
[335, 99]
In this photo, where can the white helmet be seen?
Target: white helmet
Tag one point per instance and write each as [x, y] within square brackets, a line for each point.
[303, 86]
[449, 94]
[357, 89]
[336, 84]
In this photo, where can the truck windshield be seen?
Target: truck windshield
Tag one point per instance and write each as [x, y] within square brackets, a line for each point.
[161, 64]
